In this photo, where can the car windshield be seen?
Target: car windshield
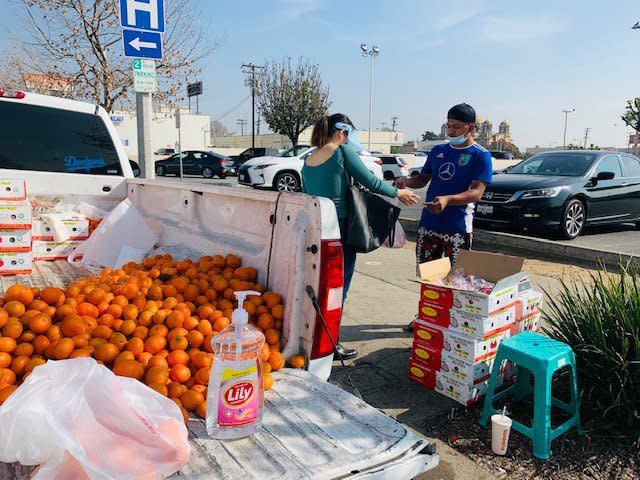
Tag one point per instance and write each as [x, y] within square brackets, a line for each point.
[560, 164]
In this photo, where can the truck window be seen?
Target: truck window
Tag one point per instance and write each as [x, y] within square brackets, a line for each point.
[53, 140]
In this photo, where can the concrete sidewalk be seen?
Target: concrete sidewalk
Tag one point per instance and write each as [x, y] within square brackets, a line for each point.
[383, 298]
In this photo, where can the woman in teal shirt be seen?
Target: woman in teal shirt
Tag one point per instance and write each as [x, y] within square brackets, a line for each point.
[323, 176]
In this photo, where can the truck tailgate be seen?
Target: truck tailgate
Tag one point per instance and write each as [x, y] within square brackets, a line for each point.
[311, 430]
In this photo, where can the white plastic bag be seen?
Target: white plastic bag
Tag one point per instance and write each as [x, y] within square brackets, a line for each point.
[81, 421]
[122, 236]
[400, 237]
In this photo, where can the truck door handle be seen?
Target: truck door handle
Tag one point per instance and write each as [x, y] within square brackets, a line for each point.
[106, 188]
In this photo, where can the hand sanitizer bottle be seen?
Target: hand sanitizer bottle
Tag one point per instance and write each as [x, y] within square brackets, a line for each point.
[235, 394]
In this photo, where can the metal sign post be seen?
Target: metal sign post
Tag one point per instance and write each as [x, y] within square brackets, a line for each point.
[194, 90]
[179, 141]
[142, 25]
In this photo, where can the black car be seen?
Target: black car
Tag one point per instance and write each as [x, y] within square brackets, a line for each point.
[250, 153]
[194, 162]
[564, 191]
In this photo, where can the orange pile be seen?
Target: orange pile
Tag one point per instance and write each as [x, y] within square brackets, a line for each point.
[152, 321]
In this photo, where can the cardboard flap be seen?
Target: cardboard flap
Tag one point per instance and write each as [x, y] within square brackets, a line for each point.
[490, 266]
[435, 269]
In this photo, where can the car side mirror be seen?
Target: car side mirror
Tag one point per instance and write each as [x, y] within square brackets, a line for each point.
[606, 176]
[135, 167]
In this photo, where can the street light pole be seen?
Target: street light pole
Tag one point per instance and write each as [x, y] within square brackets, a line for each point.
[373, 52]
[566, 115]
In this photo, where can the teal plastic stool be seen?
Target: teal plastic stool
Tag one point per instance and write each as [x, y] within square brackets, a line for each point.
[541, 357]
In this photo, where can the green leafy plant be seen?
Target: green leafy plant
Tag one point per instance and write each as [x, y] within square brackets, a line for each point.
[599, 318]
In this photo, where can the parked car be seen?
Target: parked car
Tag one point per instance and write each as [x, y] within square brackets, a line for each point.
[496, 155]
[194, 162]
[393, 167]
[250, 153]
[564, 191]
[165, 152]
[283, 173]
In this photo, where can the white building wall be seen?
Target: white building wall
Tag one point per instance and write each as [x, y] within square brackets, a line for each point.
[195, 131]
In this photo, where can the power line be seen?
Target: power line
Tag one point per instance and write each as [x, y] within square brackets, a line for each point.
[250, 69]
[231, 110]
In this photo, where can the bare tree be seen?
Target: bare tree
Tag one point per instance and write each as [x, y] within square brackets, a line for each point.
[631, 118]
[218, 129]
[80, 40]
[291, 98]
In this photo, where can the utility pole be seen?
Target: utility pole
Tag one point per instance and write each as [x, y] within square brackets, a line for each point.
[241, 123]
[250, 69]
[394, 121]
[258, 124]
[372, 53]
[586, 136]
[566, 115]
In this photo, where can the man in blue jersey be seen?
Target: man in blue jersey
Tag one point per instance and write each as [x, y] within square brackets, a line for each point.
[459, 172]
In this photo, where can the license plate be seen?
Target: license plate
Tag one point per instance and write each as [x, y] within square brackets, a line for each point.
[485, 209]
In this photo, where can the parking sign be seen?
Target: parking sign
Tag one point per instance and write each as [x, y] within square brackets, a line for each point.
[142, 24]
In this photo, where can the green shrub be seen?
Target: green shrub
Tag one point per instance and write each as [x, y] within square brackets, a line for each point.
[600, 319]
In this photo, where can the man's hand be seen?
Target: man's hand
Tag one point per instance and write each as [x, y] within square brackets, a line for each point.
[407, 197]
[400, 182]
[437, 205]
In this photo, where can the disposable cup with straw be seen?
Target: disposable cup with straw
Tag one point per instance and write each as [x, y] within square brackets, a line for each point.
[500, 429]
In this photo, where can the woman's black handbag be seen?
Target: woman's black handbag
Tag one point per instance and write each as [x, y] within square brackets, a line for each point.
[371, 219]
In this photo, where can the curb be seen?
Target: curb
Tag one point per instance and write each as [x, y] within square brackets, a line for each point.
[539, 248]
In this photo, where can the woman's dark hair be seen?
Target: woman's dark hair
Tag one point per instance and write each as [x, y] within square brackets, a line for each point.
[325, 127]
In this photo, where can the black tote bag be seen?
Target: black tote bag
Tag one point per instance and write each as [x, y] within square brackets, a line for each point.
[370, 220]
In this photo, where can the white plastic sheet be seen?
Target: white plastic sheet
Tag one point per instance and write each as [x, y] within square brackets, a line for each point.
[400, 238]
[81, 421]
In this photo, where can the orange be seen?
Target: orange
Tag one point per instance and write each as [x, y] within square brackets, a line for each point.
[107, 320]
[159, 330]
[73, 325]
[88, 309]
[96, 296]
[118, 339]
[178, 343]
[81, 340]
[175, 320]
[54, 333]
[191, 322]
[52, 296]
[277, 312]
[221, 323]
[4, 316]
[114, 309]
[177, 332]
[178, 357]
[19, 293]
[27, 336]
[128, 326]
[265, 352]
[175, 389]
[271, 299]
[64, 347]
[130, 312]
[266, 367]
[140, 332]
[107, 352]
[101, 331]
[276, 360]
[204, 311]
[124, 355]
[6, 391]
[161, 388]
[7, 344]
[157, 375]
[40, 343]
[201, 360]
[25, 349]
[38, 305]
[130, 291]
[5, 359]
[135, 346]
[265, 322]
[297, 361]
[7, 376]
[144, 358]
[146, 318]
[129, 368]
[195, 338]
[19, 364]
[33, 363]
[180, 373]
[13, 329]
[190, 399]
[267, 381]
[154, 344]
[201, 410]
[202, 376]
[272, 337]
[207, 345]
[64, 310]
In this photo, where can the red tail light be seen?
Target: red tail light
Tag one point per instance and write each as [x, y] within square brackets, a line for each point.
[9, 93]
[378, 161]
[329, 298]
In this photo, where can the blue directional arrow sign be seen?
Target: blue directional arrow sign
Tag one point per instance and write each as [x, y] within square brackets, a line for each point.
[142, 24]
[138, 44]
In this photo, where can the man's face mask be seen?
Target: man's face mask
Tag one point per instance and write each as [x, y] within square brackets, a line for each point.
[352, 136]
[459, 140]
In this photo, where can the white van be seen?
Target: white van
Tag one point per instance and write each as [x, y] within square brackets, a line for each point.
[312, 429]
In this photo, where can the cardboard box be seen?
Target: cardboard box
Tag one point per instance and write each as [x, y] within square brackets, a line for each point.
[15, 240]
[434, 313]
[437, 295]
[481, 327]
[529, 302]
[461, 392]
[431, 357]
[529, 323]
[14, 263]
[502, 270]
[15, 215]
[422, 374]
[44, 250]
[78, 229]
[466, 348]
[13, 189]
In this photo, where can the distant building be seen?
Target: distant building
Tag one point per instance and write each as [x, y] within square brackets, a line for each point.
[381, 141]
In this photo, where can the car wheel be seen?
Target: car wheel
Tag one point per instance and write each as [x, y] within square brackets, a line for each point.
[207, 172]
[573, 219]
[388, 175]
[160, 171]
[287, 182]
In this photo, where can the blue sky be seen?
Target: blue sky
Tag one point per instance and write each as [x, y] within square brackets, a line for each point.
[519, 61]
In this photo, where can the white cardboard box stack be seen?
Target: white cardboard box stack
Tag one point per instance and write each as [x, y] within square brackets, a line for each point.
[457, 332]
[15, 227]
[47, 244]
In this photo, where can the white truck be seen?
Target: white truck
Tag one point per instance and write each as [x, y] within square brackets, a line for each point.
[311, 429]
